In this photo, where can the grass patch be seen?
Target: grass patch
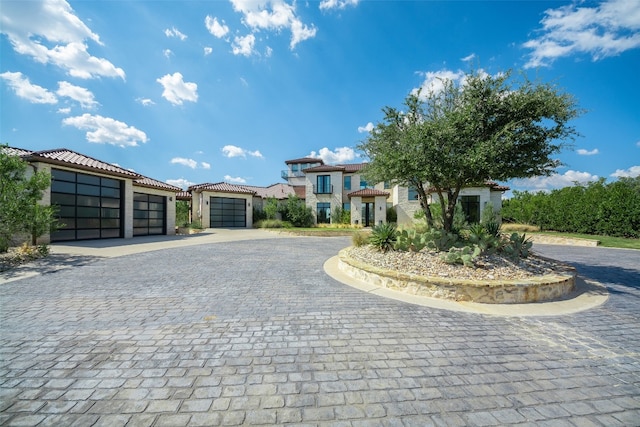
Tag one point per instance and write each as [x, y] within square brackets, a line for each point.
[605, 241]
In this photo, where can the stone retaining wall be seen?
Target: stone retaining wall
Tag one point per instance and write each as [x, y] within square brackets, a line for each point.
[536, 289]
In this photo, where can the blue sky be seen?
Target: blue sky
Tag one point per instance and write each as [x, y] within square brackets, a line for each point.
[208, 91]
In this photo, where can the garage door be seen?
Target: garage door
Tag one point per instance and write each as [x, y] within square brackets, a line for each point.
[228, 212]
[89, 206]
[149, 213]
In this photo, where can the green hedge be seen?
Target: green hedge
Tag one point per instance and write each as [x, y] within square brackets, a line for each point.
[608, 209]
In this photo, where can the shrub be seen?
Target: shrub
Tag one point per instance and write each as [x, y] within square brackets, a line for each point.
[383, 236]
[341, 216]
[272, 223]
[271, 208]
[392, 215]
[297, 213]
[360, 238]
[258, 215]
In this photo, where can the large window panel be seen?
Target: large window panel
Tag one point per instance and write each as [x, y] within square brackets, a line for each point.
[81, 208]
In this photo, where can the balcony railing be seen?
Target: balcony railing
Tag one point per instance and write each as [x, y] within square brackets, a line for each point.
[286, 174]
[323, 189]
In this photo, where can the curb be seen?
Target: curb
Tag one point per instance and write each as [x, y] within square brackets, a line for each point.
[587, 294]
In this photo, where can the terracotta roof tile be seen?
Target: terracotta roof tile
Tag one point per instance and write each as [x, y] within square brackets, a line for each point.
[368, 192]
[12, 151]
[324, 168]
[304, 160]
[222, 187]
[183, 195]
[153, 183]
[279, 191]
[353, 167]
[63, 156]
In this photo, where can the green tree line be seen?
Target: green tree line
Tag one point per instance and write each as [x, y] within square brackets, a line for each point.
[608, 209]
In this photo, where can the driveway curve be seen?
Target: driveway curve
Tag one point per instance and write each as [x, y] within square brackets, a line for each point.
[255, 333]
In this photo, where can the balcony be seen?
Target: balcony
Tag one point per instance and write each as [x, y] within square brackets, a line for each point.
[323, 189]
[286, 174]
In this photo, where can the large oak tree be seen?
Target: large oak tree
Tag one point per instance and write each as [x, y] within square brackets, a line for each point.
[480, 129]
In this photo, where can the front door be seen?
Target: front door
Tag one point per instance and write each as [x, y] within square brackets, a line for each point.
[367, 214]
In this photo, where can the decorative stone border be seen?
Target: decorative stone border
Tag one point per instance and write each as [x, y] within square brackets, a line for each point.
[535, 289]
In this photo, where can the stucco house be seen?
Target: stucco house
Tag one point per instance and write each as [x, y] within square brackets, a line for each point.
[99, 200]
[330, 186]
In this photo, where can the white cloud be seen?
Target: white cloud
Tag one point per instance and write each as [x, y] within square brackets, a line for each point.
[638, 143]
[235, 180]
[23, 88]
[274, 15]
[205, 165]
[105, 130]
[208, 51]
[180, 182]
[145, 101]
[434, 80]
[176, 90]
[339, 155]
[31, 25]
[243, 45]
[215, 28]
[79, 94]
[567, 179]
[167, 53]
[65, 110]
[185, 162]
[468, 58]
[367, 128]
[337, 4]
[607, 29]
[174, 32]
[632, 172]
[233, 151]
[584, 152]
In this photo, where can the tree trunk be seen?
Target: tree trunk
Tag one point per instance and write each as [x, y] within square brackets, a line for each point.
[424, 203]
[450, 211]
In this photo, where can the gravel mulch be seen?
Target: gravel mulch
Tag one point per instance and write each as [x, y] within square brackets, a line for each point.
[429, 264]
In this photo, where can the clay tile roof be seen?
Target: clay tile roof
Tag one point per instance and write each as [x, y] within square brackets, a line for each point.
[222, 187]
[353, 167]
[63, 156]
[153, 183]
[304, 160]
[183, 195]
[324, 168]
[279, 191]
[12, 151]
[368, 192]
[497, 187]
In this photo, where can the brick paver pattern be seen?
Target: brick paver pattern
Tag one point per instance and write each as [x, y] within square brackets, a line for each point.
[255, 333]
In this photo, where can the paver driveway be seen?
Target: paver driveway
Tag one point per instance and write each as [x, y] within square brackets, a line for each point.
[254, 332]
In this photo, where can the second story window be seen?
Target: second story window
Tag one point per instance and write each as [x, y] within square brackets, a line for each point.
[347, 183]
[363, 184]
[413, 193]
[323, 184]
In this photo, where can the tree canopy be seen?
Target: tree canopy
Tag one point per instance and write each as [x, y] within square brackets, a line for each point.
[484, 128]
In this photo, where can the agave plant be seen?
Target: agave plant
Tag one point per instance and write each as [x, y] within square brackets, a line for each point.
[384, 236]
